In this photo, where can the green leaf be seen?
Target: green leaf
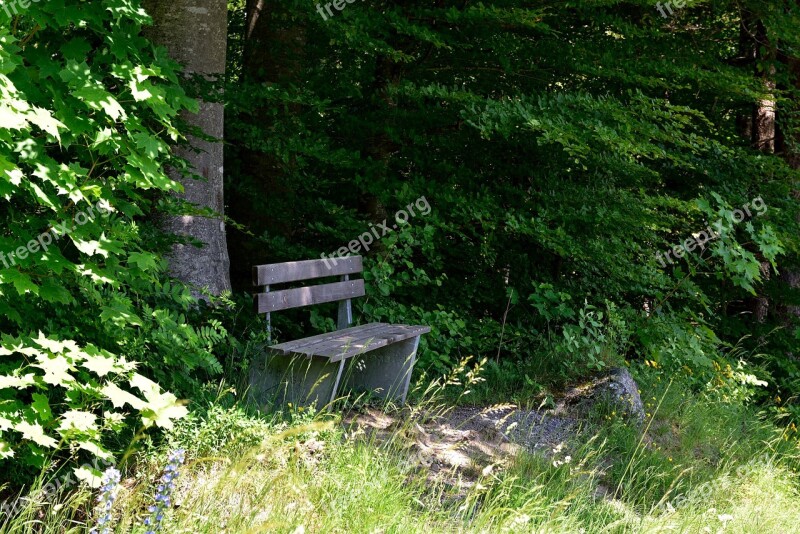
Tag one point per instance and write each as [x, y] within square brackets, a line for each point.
[22, 282]
[150, 145]
[35, 433]
[53, 291]
[41, 406]
[100, 99]
[143, 260]
[121, 315]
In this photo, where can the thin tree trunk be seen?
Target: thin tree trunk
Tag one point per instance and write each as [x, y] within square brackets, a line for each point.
[790, 149]
[274, 48]
[764, 111]
[756, 51]
[195, 33]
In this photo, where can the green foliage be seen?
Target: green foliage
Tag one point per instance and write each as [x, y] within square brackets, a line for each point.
[592, 344]
[88, 111]
[561, 146]
[700, 465]
[75, 400]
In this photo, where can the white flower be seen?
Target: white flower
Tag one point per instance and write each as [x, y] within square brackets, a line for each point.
[558, 463]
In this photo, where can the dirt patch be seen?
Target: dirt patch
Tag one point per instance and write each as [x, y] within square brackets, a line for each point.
[459, 445]
[462, 444]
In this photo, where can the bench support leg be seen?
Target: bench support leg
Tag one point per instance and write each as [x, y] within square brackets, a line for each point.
[385, 371]
[277, 380]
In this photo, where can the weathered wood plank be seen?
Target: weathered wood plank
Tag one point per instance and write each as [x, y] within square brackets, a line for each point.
[356, 332]
[337, 346]
[295, 271]
[306, 296]
[343, 341]
[401, 333]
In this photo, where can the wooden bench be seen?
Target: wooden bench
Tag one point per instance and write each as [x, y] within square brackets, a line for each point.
[376, 357]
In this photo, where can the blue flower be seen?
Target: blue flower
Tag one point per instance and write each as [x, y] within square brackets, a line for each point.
[105, 500]
[164, 490]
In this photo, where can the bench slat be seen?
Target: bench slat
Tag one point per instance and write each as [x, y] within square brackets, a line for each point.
[306, 296]
[396, 334]
[354, 332]
[295, 271]
[340, 344]
[350, 342]
[334, 340]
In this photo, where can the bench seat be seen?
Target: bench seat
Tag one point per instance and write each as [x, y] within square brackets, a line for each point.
[349, 342]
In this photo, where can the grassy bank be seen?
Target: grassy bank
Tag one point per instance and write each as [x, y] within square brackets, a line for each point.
[699, 466]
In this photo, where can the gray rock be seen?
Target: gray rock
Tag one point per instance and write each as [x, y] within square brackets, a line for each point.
[620, 389]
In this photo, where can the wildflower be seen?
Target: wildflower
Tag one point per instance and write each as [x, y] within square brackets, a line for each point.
[519, 522]
[163, 499]
[108, 493]
[558, 463]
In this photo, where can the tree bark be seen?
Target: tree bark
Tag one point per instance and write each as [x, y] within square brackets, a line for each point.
[790, 150]
[764, 112]
[756, 52]
[274, 55]
[195, 34]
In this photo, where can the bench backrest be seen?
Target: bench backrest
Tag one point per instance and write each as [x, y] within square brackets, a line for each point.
[269, 301]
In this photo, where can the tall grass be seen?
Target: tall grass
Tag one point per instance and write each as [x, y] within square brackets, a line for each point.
[698, 467]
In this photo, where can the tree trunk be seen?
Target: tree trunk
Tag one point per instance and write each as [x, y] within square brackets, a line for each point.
[274, 48]
[757, 52]
[790, 149]
[195, 34]
[764, 112]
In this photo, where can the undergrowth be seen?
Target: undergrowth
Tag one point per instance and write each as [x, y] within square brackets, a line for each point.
[695, 466]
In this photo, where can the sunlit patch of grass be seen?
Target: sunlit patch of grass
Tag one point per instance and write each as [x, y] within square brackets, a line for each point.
[699, 466]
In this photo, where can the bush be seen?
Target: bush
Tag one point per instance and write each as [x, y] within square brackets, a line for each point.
[89, 109]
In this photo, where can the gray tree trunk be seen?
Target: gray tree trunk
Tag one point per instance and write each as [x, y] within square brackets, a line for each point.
[195, 33]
